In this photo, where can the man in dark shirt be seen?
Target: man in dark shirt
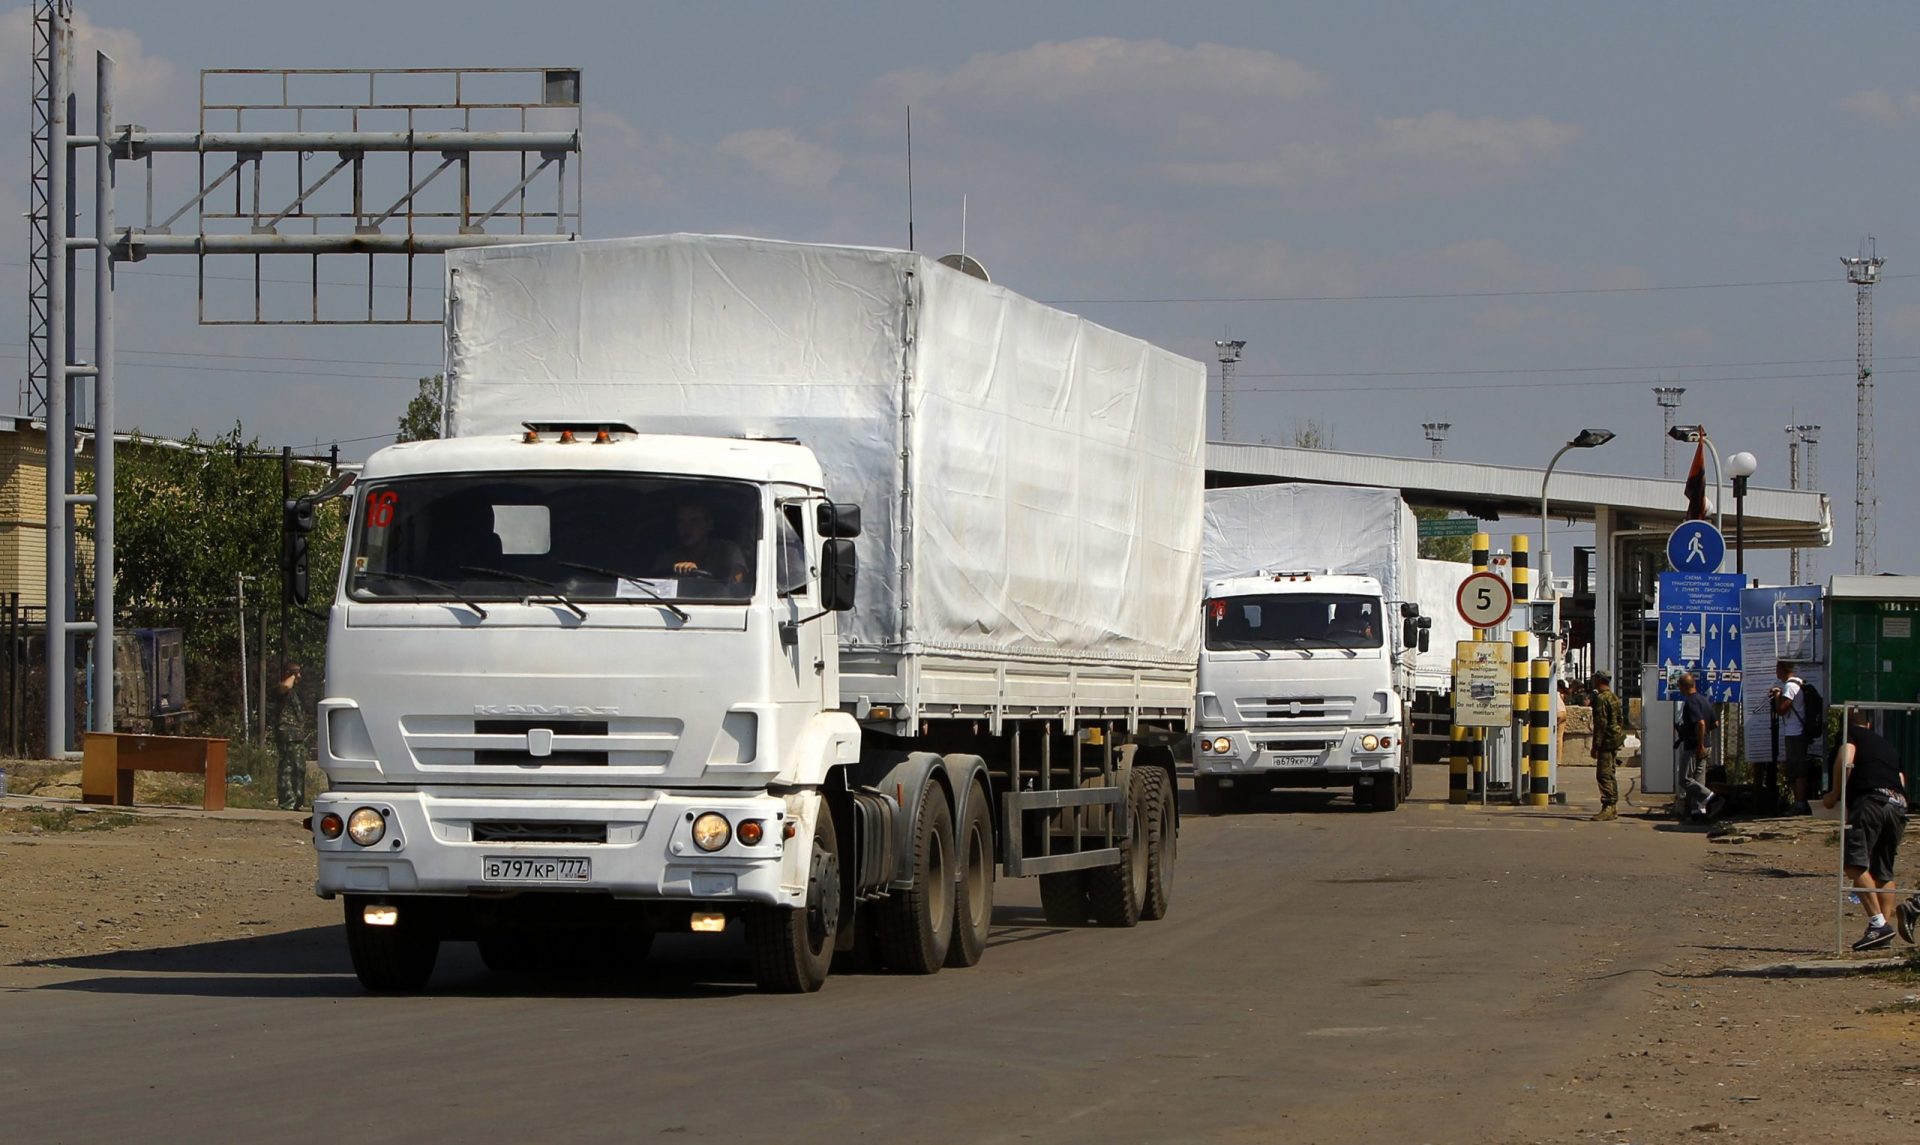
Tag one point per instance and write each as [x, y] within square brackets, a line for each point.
[1876, 818]
[698, 552]
[1693, 730]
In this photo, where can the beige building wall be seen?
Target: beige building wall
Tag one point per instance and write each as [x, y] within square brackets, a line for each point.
[23, 512]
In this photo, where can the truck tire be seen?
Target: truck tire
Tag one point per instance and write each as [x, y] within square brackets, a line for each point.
[1385, 796]
[1162, 843]
[1209, 796]
[973, 902]
[394, 959]
[917, 925]
[1063, 898]
[1115, 894]
[792, 947]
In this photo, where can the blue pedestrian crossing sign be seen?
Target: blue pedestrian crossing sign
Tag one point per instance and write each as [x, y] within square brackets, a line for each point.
[1696, 547]
[1700, 633]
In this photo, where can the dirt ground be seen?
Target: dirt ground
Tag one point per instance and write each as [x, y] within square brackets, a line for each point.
[1683, 1051]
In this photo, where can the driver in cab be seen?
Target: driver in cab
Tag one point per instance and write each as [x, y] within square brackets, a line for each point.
[698, 552]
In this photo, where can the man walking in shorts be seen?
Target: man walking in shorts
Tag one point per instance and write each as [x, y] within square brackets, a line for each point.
[1876, 792]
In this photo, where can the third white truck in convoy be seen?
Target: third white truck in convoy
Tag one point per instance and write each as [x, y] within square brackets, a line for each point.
[1312, 629]
[793, 588]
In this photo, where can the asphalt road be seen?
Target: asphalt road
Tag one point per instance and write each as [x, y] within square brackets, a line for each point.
[1326, 975]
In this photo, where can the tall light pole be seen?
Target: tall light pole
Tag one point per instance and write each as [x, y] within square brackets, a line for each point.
[1669, 399]
[1229, 357]
[1742, 465]
[1585, 439]
[1436, 432]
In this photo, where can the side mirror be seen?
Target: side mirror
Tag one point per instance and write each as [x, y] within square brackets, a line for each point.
[839, 521]
[1409, 609]
[1426, 632]
[1410, 631]
[839, 569]
[296, 521]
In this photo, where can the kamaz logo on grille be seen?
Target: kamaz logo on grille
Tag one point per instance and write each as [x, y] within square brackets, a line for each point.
[543, 710]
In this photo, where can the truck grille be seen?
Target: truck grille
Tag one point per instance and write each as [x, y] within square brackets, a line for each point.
[520, 757]
[539, 832]
[1296, 707]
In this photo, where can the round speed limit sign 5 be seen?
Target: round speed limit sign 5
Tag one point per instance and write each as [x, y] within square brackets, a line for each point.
[1484, 600]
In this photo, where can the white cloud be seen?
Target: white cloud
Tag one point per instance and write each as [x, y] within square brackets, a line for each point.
[1883, 107]
[780, 154]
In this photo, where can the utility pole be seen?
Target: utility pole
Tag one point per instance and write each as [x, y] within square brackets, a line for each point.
[1669, 399]
[1862, 271]
[1436, 433]
[1229, 358]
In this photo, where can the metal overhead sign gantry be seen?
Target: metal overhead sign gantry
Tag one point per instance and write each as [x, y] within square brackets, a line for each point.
[402, 154]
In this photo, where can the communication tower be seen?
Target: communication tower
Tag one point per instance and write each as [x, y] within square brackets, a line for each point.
[1436, 433]
[1803, 472]
[1669, 399]
[1862, 271]
[1229, 358]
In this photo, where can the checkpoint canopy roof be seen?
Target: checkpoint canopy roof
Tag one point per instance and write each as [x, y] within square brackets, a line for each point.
[1775, 518]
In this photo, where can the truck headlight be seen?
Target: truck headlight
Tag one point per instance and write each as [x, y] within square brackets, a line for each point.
[366, 826]
[711, 831]
[1222, 746]
[1369, 743]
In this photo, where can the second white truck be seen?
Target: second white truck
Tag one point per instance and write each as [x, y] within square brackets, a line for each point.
[1312, 628]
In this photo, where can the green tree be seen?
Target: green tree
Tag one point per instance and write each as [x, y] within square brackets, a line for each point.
[421, 422]
[191, 517]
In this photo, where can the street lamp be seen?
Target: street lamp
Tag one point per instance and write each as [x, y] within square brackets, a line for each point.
[1586, 439]
[1742, 465]
[1698, 433]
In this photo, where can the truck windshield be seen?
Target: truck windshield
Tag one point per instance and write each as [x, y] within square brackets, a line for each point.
[586, 536]
[1293, 621]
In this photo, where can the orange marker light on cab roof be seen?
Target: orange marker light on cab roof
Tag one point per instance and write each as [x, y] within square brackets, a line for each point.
[566, 437]
[602, 437]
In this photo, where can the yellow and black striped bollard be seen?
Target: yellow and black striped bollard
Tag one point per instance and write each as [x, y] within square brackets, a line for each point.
[1541, 732]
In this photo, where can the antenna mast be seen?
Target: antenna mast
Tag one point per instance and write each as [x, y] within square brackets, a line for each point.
[1862, 271]
[1436, 432]
[1803, 472]
[1669, 399]
[1229, 357]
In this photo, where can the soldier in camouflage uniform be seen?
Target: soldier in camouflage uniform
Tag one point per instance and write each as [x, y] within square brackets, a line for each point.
[1609, 735]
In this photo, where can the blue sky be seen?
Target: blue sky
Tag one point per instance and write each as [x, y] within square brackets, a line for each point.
[1120, 156]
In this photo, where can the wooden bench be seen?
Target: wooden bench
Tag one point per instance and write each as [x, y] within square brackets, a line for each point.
[109, 759]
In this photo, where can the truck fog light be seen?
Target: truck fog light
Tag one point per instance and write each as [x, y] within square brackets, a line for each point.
[708, 922]
[366, 826]
[1222, 746]
[380, 914]
[331, 825]
[1369, 743]
[711, 831]
[751, 832]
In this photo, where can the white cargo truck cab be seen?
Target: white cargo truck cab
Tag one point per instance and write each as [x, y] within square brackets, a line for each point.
[790, 645]
[1306, 676]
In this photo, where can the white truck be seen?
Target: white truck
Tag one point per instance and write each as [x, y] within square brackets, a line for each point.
[1313, 628]
[791, 588]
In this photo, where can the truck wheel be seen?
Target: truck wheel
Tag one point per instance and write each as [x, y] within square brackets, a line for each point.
[1162, 844]
[793, 947]
[917, 925]
[1063, 898]
[1385, 796]
[1114, 893]
[395, 959]
[973, 905]
[1208, 795]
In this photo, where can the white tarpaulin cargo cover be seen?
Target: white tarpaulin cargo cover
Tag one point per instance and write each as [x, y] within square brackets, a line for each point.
[1322, 528]
[1439, 584]
[1030, 481]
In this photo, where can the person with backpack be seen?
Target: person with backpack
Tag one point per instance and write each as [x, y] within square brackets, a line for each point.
[1695, 721]
[1802, 713]
[1867, 768]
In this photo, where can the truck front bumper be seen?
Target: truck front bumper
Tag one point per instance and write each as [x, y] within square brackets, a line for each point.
[635, 846]
[1340, 753]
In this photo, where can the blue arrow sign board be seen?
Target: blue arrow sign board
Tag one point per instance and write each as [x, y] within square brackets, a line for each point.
[1700, 631]
[1696, 547]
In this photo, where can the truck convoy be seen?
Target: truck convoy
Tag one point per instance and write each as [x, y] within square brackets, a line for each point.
[796, 589]
[1312, 631]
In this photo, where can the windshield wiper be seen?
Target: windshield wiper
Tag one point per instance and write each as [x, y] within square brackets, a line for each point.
[632, 580]
[443, 586]
[558, 596]
[1300, 642]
